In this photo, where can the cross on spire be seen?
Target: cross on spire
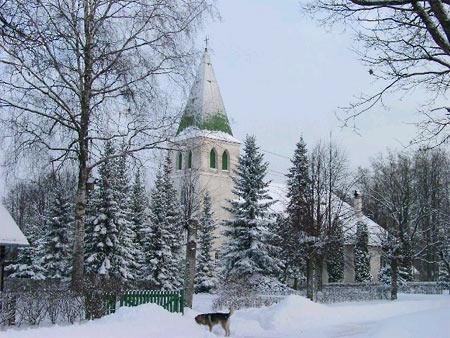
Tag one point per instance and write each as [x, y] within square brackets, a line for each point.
[206, 43]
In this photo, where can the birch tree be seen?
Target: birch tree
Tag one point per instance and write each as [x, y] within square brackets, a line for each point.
[79, 72]
[406, 45]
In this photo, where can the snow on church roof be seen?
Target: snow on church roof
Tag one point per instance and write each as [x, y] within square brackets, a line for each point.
[192, 132]
[205, 108]
[10, 234]
[347, 214]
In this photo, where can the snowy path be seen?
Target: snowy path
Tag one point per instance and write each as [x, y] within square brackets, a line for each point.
[412, 316]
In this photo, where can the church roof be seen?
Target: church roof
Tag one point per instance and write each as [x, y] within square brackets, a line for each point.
[205, 108]
[10, 233]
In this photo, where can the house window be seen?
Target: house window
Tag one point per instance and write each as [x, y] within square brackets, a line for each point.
[212, 159]
[189, 164]
[179, 161]
[225, 160]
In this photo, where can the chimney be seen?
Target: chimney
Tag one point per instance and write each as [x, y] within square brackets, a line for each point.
[357, 204]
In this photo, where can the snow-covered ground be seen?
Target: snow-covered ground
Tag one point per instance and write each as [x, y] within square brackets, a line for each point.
[421, 316]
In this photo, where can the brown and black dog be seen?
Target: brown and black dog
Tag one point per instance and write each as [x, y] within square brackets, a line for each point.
[211, 319]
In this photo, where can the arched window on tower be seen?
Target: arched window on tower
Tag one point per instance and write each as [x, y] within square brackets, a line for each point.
[189, 160]
[212, 159]
[179, 161]
[225, 160]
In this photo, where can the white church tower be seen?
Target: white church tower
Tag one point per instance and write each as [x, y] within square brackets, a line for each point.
[207, 151]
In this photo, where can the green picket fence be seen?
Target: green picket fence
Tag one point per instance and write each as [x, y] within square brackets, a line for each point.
[172, 301]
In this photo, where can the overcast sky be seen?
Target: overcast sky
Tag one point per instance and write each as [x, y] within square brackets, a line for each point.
[282, 75]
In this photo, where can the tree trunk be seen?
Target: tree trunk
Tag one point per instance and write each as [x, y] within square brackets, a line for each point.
[80, 218]
[394, 278]
[2, 270]
[310, 277]
[83, 156]
[191, 253]
[318, 272]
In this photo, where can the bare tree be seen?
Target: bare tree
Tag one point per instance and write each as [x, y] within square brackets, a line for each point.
[329, 184]
[76, 73]
[391, 190]
[406, 44]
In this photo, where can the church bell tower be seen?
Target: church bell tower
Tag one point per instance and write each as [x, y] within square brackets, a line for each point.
[207, 152]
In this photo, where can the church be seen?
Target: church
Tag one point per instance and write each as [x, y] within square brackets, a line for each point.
[207, 154]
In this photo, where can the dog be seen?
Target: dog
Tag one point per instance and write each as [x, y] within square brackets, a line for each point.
[211, 319]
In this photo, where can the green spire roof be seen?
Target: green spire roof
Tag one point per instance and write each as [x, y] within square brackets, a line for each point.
[205, 108]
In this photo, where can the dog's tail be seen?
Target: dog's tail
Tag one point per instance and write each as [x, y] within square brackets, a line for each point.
[231, 311]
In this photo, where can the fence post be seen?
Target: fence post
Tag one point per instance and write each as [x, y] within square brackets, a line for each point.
[182, 301]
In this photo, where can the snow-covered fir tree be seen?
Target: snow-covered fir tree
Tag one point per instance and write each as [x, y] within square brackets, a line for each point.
[361, 253]
[335, 255]
[27, 263]
[140, 218]
[129, 250]
[206, 280]
[55, 247]
[104, 239]
[163, 253]
[298, 208]
[110, 245]
[248, 250]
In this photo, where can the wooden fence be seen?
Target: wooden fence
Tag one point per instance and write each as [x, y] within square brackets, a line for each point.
[172, 301]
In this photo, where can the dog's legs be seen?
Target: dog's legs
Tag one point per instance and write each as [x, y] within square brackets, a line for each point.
[210, 324]
[226, 327]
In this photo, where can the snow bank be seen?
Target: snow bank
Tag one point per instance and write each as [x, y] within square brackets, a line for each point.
[292, 313]
[145, 321]
[412, 316]
[295, 312]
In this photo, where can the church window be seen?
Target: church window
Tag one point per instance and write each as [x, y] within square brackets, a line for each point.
[179, 161]
[189, 162]
[212, 159]
[225, 160]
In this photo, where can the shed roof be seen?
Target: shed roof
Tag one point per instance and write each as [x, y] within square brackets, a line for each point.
[10, 234]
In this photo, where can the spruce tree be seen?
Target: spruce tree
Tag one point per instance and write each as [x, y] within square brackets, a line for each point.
[205, 280]
[298, 192]
[248, 250]
[128, 252]
[111, 248]
[56, 256]
[104, 239]
[335, 255]
[296, 228]
[361, 254]
[140, 219]
[163, 254]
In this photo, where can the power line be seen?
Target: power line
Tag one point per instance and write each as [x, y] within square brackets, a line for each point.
[275, 154]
